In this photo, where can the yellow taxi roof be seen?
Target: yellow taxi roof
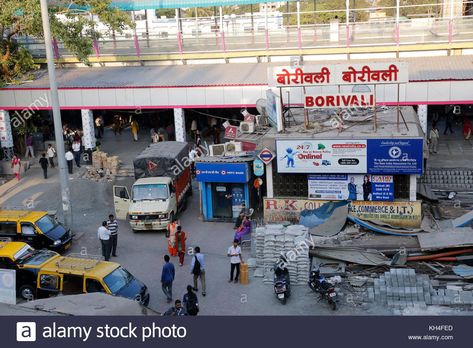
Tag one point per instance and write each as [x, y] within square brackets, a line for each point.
[24, 215]
[79, 266]
[9, 249]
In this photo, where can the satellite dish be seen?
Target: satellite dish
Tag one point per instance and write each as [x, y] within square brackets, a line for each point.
[261, 107]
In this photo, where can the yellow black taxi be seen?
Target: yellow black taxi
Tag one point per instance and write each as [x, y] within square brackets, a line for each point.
[44, 273]
[36, 228]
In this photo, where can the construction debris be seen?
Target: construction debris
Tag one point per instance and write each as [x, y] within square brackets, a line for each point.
[352, 254]
[450, 238]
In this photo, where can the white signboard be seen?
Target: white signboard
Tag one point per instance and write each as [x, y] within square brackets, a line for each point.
[8, 286]
[325, 101]
[338, 74]
[351, 187]
[321, 156]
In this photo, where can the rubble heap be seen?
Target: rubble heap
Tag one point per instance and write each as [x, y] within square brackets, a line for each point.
[274, 240]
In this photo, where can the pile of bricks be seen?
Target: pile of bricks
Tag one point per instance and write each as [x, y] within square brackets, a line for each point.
[400, 288]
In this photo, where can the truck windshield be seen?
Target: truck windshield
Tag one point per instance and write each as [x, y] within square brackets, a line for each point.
[46, 224]
[150, 192]
[118, 279]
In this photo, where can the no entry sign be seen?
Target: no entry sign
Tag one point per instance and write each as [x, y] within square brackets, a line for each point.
[266, 155]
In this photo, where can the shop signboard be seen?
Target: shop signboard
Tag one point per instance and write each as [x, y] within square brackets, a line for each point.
[338, 74]
[222, 172]
[258, 167]
[395, 156]
[351, 100]
[231, 132]
[7, 286]
[402, 214]
[351, 187]
[321, 156]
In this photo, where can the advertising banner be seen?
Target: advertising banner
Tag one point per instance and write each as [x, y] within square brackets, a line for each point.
[222, 172]
[352, 100]
[351, 187]
[401, 214]
[338, 74]
[395, 156]
[321, 156]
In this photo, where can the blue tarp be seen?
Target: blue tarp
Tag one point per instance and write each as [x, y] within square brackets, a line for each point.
[130, 5]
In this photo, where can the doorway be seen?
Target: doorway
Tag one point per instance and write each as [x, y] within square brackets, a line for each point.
[222, 200]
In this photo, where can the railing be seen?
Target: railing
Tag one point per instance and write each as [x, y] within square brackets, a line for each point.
[385, 33]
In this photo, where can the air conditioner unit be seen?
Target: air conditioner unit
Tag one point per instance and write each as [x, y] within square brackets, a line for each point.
[247, 127]
[233, 147]
[217, 150]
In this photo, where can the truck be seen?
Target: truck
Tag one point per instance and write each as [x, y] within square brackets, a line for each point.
[163, 184]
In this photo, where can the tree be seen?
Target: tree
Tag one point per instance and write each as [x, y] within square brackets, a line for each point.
[71, 23]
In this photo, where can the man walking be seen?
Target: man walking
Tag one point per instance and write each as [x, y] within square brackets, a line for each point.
[29, 146]
[112, 225]
[44, 164]
[234, 253]
[69, 158]
[104, 236]
[51, 152]
[76, 152]
[198, 269]
[167, 277]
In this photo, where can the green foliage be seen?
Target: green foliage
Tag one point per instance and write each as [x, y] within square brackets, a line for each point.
[69, 25]
[419, 11]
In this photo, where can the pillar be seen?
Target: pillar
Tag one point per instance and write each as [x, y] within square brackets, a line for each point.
[88, 129]
[413, 188]
[269, 180]
[180, 124]
[6, 135]
[422, 114]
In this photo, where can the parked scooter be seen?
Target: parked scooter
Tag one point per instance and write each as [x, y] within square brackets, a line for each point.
[282, 283]
[325, 289]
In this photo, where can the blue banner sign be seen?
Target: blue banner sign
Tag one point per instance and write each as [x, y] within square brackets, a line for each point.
[395, 156]
[222, 172]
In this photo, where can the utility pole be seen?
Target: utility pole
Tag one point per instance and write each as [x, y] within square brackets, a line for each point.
[63, 176]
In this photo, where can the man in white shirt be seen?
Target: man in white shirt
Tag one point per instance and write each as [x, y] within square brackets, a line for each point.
[69, 158]
[51, 153]
[103, 233]
[234, 253]
[76, 152]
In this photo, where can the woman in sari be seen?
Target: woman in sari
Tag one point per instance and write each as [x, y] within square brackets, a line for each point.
[244, 229]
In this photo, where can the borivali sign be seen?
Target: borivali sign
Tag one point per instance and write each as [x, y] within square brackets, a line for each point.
[338, 74]
[323, 101]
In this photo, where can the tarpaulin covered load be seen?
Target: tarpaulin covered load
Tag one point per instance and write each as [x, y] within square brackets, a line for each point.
[167, 158]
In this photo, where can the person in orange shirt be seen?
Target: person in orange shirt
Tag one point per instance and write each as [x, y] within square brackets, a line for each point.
[181, 244]
[171, 235]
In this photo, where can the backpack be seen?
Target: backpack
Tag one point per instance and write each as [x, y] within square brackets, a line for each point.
[196, 270]
[191, 305]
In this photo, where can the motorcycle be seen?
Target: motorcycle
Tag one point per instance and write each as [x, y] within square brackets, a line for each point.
[281, 281]
[325, 289]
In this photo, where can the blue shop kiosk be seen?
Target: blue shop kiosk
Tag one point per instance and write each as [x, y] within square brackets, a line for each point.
[224, 187]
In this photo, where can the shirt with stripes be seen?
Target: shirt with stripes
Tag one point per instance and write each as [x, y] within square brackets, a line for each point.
[113, 227]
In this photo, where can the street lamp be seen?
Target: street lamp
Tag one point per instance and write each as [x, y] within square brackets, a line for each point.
[63, 176]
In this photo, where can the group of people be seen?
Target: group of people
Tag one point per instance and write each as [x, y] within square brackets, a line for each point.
[108, 237]
[434, 134]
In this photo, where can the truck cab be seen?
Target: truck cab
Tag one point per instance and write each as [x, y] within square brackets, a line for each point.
[161, 189]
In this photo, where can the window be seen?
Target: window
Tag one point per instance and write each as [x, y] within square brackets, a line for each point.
[117, 279]
[8, 229]
[93, 285]
[290, 185]
[27, 229]
[49, 281]
[121, 192]
[72, 285]
[401, 186]
[46, 224]
[150, 192]
[6, 263]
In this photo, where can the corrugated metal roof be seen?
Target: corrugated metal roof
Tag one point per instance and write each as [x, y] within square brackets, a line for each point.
[236, 74]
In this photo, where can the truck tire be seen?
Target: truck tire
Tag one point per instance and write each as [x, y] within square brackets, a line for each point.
[27, 292]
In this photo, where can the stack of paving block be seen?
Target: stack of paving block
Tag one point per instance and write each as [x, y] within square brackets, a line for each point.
[275, 240]
[457, 179]
[400, 288]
